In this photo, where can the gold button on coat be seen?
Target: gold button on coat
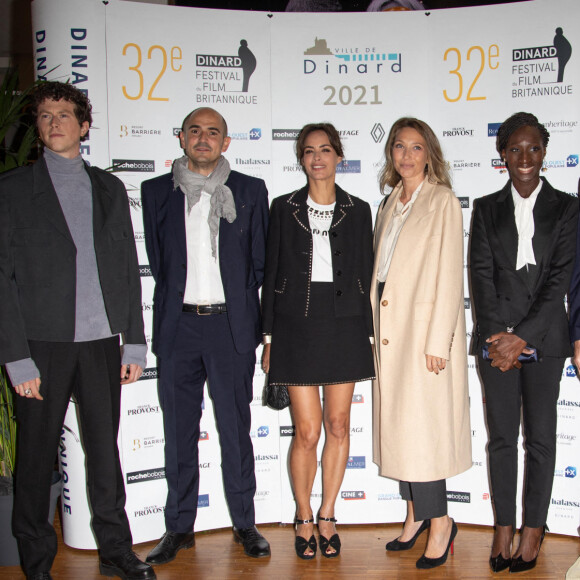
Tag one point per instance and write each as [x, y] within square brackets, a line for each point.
[385, 341]
[384, 302]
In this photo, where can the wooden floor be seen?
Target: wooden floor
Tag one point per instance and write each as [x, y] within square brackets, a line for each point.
[217, 557]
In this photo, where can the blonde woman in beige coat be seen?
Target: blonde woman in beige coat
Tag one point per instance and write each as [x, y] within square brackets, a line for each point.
[421, 408]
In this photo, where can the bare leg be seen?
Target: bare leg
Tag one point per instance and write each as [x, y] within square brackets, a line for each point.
[439, 535]
[410, 527]
[307, 415]
[337, 404]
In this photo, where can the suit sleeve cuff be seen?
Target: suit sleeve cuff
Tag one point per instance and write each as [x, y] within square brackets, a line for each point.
[21, 371]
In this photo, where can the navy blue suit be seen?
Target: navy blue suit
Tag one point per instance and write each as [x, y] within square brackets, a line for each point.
[220, 347]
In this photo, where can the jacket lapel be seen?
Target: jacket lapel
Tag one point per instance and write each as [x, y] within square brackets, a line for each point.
[545, 220]
[299, 208]
[344, 203]
[505, 224]
[45, 197]
[176, 200]
[102, 200]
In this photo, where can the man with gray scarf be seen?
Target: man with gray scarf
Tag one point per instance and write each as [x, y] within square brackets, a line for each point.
[205, 233]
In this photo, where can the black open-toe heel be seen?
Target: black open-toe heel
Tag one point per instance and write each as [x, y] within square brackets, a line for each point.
[325, 543]
[398, 546]
[302, 544]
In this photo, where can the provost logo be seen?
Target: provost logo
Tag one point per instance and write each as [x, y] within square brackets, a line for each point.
[358, 60]
[458, 132]
[219, 75]
[539, 70]
[570, 371]
[572, 161]
[570, 471]
[357, 399]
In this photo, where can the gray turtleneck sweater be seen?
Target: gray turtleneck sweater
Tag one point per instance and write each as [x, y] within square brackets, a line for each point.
[73, 189]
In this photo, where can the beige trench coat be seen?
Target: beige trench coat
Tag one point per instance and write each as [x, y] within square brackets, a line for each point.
[421, 427]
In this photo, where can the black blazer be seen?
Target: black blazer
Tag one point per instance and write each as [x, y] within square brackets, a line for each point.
[532, 303]
[241, 255]
[38, 261]
[289, 258]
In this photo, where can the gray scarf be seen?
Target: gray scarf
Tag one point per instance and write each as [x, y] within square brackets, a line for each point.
[222, 200]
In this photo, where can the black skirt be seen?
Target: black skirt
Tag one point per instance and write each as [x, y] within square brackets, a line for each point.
[320, 349]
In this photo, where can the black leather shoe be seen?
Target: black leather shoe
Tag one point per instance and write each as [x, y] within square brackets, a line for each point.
[127, 566]
[255, 545]
[40, 576]
[398, 546]
[167, 548]
[520, 565]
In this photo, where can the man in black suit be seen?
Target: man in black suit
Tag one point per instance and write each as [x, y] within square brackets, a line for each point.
[69, 286]
[205, 233]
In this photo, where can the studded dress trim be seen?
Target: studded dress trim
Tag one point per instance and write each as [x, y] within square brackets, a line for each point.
[323, 384]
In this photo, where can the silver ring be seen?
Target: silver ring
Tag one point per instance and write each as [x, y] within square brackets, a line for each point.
[28, 392]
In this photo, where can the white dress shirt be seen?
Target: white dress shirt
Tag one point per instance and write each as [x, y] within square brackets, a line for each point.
[204, 281]
[524, 215]
[392, 232]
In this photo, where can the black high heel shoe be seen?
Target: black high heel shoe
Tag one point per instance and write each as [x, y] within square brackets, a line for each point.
[424, 563]
[398, 546]
[520, 565]
[302, 544]
[499, 563]
[325, 543]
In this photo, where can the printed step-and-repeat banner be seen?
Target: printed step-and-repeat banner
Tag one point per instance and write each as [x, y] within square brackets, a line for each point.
[464, 71]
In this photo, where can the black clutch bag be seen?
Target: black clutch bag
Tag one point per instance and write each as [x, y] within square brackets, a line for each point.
[277, 397]
[523, 358]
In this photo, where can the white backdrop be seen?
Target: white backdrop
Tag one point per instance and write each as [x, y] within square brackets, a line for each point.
[463, 71]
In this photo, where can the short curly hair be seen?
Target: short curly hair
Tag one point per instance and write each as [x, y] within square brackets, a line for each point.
[55, 91]
[515, 122]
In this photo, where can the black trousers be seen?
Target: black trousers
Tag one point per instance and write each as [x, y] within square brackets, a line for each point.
[429, 498]
[204, 349]
[90, 371]
[531, 391]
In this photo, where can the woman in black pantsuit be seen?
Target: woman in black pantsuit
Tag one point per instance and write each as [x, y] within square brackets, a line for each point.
[523, 244]
[317, 322]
